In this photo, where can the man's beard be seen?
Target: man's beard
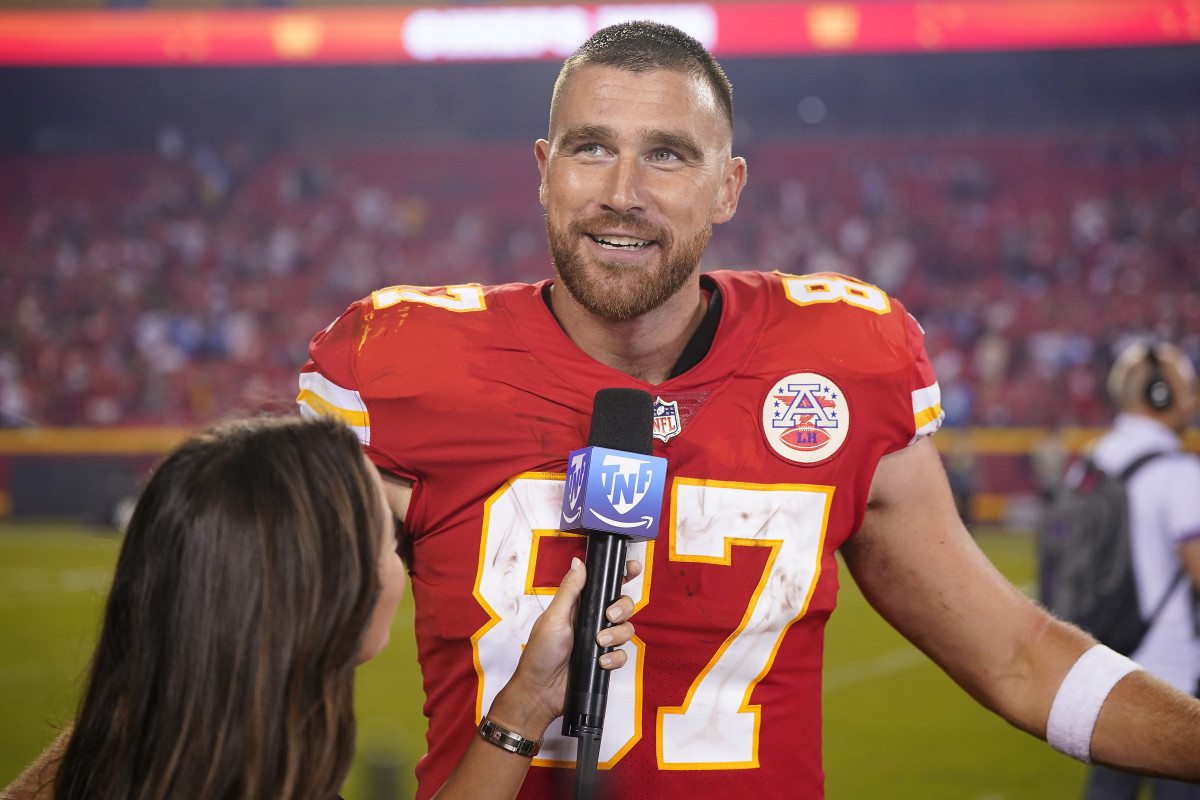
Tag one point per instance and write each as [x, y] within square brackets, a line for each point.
[620, 292]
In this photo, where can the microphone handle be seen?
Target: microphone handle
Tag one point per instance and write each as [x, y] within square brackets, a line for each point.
[587, 757]
[587, 683]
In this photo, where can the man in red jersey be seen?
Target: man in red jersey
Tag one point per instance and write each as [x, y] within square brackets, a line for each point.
[794, 414]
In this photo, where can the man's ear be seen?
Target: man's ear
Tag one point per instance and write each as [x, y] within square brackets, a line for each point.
[541, 151]
[731, 189]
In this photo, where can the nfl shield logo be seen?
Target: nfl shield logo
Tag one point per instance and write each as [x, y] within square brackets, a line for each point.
[666, 419]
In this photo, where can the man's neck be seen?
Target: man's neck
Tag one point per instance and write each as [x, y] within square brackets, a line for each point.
[645, 348]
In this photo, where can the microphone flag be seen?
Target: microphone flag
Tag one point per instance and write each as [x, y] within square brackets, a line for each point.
[614, 491]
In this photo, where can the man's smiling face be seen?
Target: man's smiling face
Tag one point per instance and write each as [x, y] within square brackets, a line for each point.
[635, 173]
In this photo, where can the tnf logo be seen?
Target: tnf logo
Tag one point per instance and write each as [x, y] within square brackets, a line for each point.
[625, 481]
[613, 490]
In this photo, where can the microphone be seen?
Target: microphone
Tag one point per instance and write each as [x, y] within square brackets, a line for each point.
[614, 492]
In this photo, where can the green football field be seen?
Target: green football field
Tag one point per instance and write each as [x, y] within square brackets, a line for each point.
[895, 726]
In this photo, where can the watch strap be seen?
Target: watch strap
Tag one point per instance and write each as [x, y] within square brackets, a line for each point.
[508, 740]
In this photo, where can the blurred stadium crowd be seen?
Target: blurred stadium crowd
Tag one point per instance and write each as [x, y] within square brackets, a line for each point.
[175, 286]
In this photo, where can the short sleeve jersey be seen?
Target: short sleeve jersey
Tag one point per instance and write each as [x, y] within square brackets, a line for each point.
[771, 441]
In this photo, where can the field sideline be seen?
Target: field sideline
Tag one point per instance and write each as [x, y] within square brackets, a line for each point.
[895, 726]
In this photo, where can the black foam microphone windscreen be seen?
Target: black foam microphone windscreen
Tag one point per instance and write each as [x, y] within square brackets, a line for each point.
[623, 419]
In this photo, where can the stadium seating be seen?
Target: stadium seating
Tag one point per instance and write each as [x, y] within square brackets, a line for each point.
[169, 289]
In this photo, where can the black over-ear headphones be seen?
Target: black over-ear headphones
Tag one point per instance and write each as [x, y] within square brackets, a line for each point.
[1158, 389]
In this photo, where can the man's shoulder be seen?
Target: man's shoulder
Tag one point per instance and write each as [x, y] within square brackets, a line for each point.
[824, 310]
[1184, 469]
[831, 290]
[411, 308]
[1131, 437]
[1166, 475]
[405, 328]
[403, 299]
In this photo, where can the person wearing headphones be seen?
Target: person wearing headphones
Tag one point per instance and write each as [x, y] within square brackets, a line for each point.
[1153, 387]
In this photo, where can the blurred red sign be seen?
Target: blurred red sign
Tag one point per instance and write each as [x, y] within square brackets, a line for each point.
[535, 32]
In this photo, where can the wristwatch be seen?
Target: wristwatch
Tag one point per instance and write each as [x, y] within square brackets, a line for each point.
[507, 740]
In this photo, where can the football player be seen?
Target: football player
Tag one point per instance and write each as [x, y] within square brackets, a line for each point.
[795, 419]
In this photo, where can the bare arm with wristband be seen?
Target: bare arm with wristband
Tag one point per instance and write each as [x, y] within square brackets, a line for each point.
[919, 567]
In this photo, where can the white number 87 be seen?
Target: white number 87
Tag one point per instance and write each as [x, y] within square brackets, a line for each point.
[715, 727]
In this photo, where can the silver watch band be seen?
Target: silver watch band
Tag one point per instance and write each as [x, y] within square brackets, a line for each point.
[508, 740]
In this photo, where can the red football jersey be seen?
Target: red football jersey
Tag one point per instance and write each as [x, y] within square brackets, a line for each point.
[476, 395]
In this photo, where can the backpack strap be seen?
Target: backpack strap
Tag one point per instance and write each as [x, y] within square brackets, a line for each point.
[1138, 463]
[1162, 602]
[1123, 477]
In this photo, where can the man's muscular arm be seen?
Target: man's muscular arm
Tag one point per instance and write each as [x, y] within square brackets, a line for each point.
[919, 567]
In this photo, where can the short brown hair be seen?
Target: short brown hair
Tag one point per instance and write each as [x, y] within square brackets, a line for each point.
[646, 46]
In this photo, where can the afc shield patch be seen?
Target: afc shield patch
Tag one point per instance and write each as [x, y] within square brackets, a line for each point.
[666, 419]
[805, 418]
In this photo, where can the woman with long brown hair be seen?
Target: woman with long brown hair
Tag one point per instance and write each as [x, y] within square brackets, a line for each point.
[258, 570]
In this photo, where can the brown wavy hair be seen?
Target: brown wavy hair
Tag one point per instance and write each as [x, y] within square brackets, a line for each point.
[225, 665]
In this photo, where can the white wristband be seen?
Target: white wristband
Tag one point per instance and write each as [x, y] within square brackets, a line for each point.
[1077, 704]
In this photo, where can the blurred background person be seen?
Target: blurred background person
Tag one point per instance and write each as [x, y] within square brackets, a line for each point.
[1153, 387]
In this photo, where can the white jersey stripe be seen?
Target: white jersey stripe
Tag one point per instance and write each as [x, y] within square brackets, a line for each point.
[320, 397]
[927, 410]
